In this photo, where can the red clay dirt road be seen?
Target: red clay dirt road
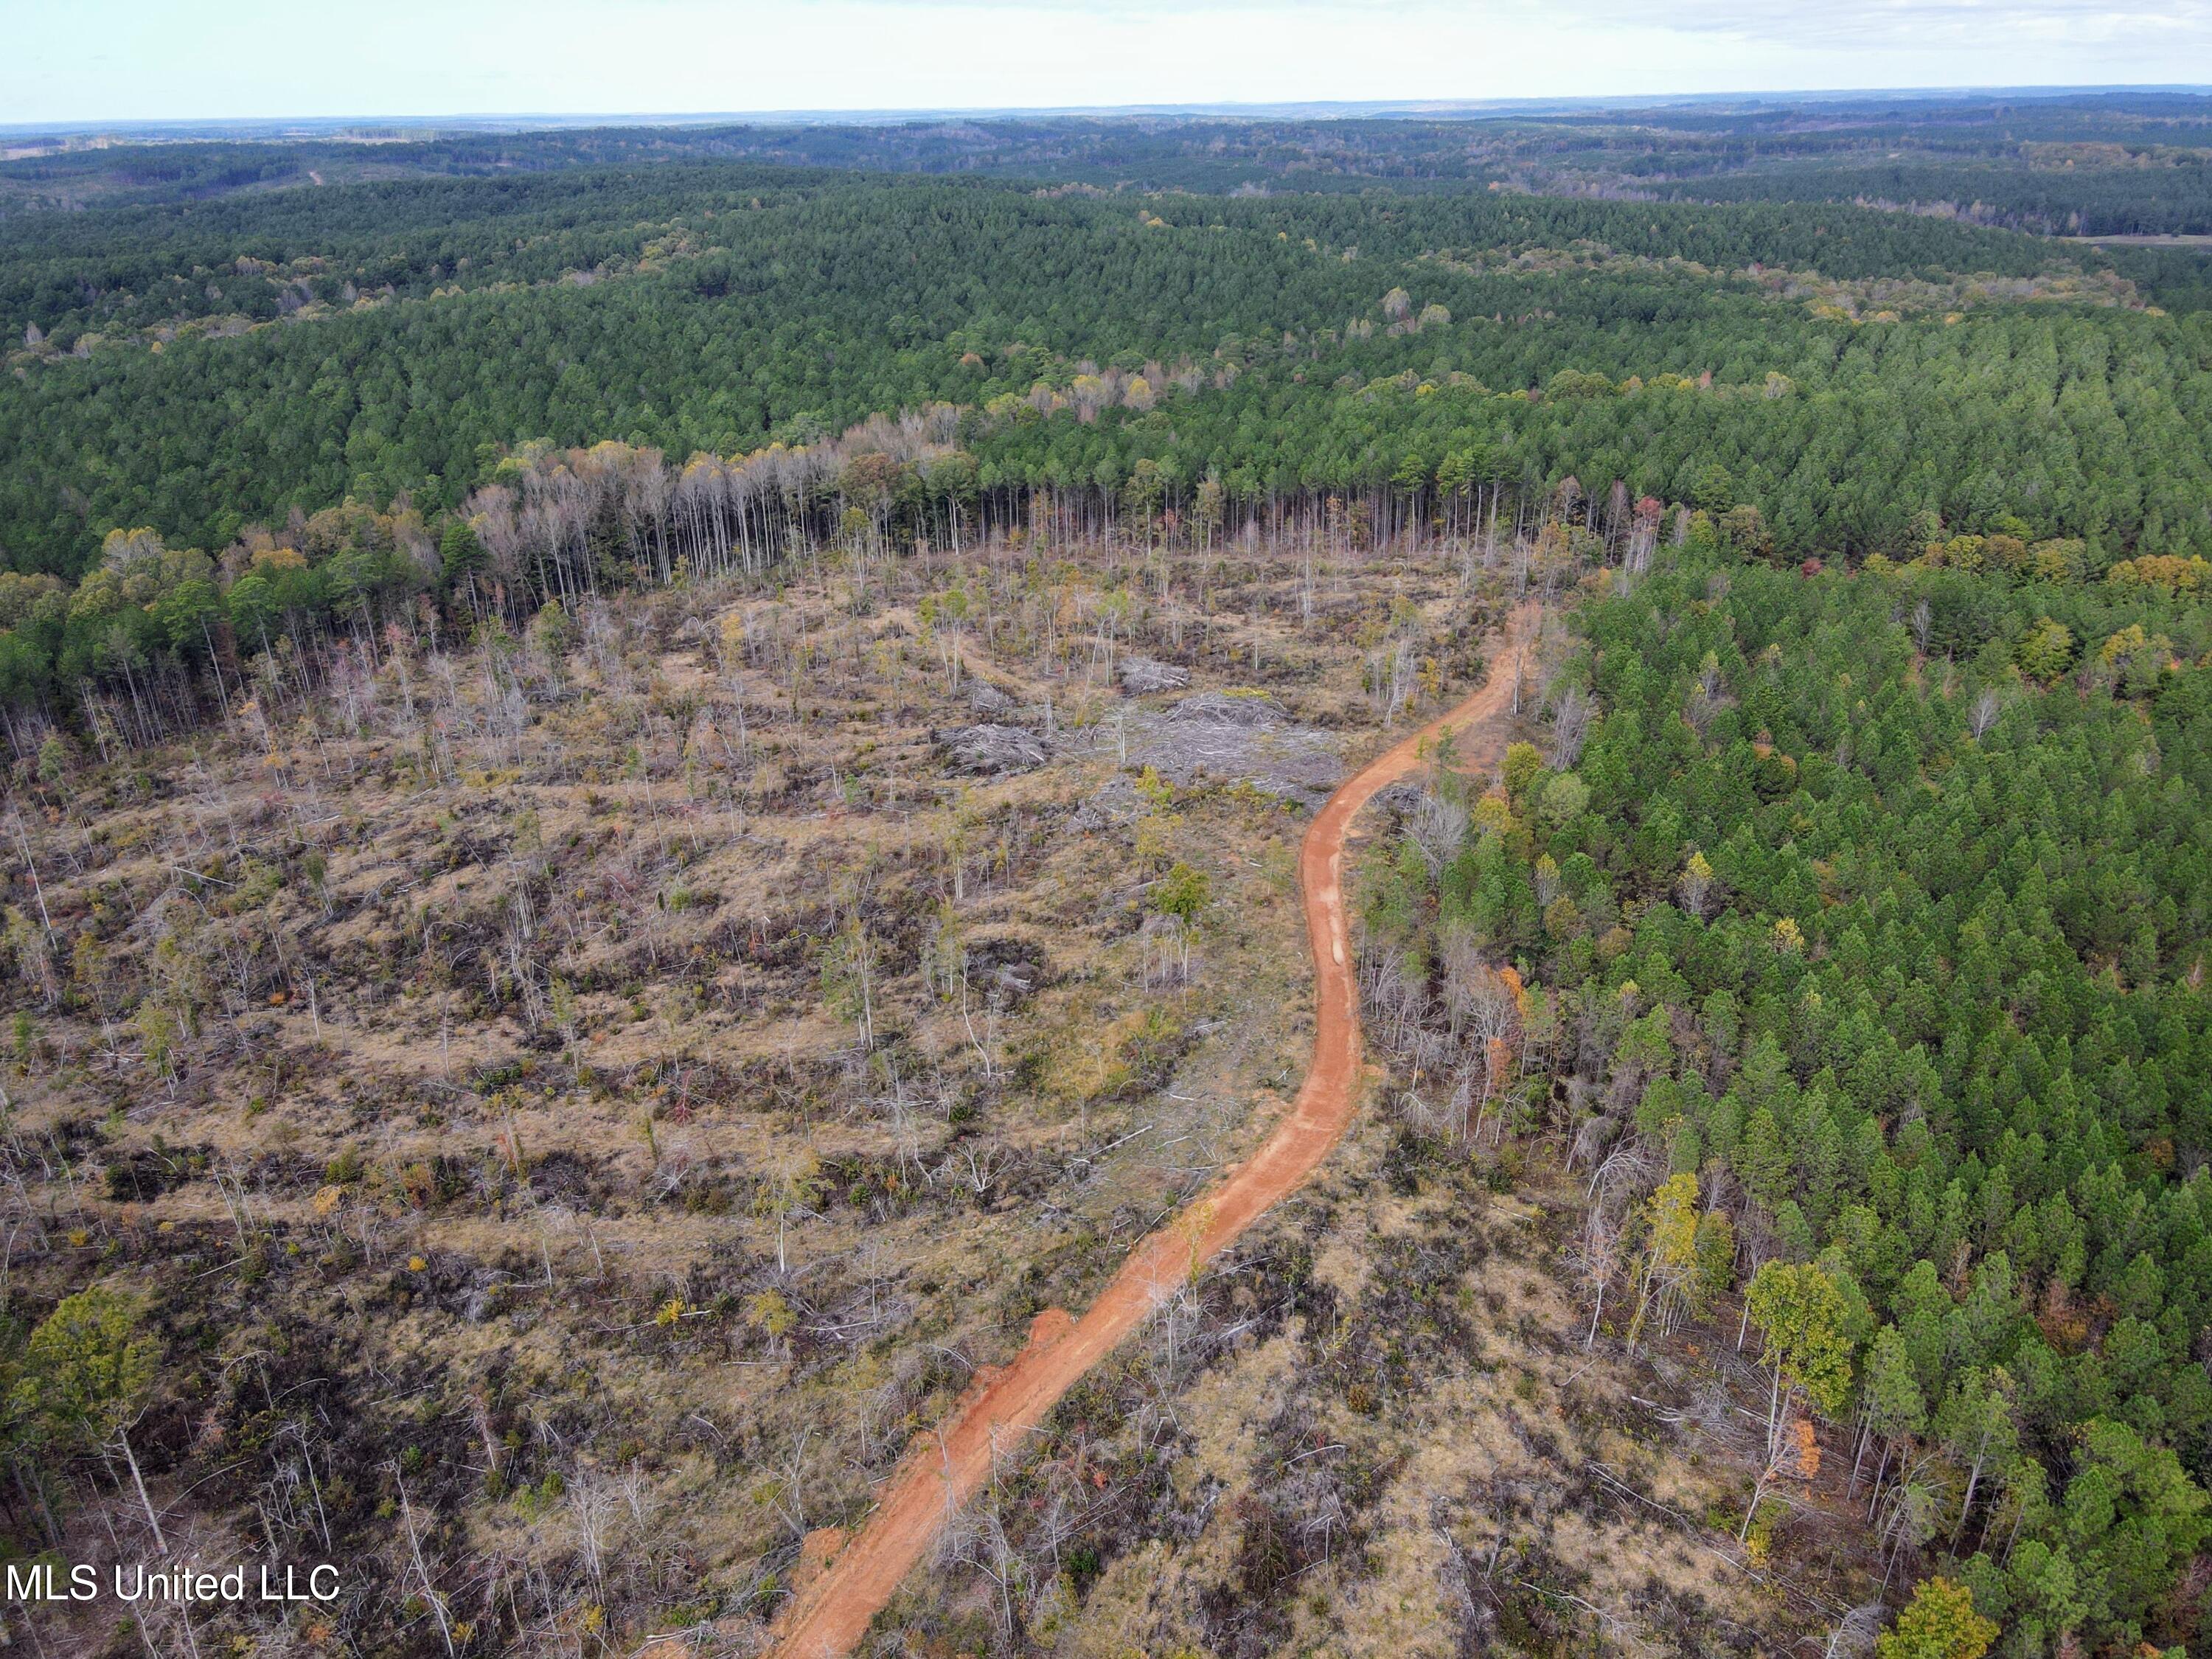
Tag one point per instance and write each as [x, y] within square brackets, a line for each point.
[946, 1468]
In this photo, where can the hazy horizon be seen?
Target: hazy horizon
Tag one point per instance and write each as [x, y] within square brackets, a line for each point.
[371, 121]
[113, 63]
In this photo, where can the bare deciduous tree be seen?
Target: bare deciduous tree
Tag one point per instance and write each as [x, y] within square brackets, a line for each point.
[1571, 711]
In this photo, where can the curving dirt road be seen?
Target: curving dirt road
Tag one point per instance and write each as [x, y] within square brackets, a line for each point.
[943, 1470]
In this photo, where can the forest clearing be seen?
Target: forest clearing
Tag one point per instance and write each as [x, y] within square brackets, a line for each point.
[955, 1459]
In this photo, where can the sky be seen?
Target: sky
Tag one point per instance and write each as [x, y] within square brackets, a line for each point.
[94, 61]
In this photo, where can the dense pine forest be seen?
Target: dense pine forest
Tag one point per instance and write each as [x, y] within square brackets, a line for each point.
[414, 351]
[1807, 1015]
[1856, 913]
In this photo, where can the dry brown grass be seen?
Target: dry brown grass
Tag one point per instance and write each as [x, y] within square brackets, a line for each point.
[518, 1259]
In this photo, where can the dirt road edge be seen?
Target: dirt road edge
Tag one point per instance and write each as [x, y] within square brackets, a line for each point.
[948, 1465]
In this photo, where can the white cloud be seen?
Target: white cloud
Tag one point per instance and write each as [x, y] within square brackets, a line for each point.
[1931, 25]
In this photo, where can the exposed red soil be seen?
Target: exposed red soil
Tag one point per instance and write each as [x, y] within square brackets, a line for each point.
[945, 1469]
